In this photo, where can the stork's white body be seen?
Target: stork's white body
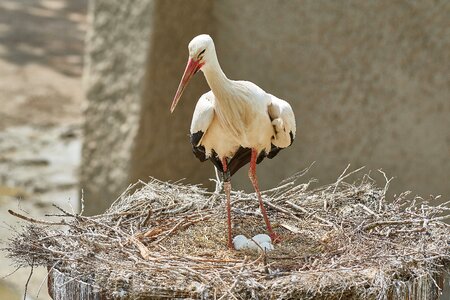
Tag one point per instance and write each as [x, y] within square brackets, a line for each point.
[243, 115]
[235, 123]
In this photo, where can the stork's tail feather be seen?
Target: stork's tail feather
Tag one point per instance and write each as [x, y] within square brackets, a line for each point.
[241, 158]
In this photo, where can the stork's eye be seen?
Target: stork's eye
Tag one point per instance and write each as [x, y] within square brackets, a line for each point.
[203, 51]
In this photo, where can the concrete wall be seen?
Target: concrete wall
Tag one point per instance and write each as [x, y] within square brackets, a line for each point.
[117, 46]
[162, 147]
[369, 82]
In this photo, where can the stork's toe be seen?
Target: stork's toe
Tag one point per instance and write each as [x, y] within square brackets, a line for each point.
[275, 238]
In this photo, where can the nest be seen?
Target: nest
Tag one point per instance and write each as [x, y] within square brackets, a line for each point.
[160, 239]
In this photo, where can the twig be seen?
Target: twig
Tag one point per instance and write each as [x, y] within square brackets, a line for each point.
[145, 253]
[75, 278]
[371, 212]
[313, 215]
[64, 211]
[280, 209]
[386, 186]
[342, 177]
[154, 232]
[10, 273]
[31, 220]
[290, 181]
[131, 186]
[290, 228]
[169, 232]
[28, 280]
[147, 219]
[189, 223]
[403, 222]
[180, 209]
[82, 202]
[45, 278]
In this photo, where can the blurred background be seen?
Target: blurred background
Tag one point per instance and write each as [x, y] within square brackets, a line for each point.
[87, 85]
[41, 103]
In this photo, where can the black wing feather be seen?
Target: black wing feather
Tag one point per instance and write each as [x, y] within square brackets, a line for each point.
[198, 150]
[239, 159]
[216, 161]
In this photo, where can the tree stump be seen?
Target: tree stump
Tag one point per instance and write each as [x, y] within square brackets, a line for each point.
[62, 287]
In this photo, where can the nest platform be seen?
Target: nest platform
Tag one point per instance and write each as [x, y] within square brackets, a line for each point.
[164, 240]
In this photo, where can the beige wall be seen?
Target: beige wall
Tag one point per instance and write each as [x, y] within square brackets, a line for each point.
[117, 45]
[369, 83]
[162, 147]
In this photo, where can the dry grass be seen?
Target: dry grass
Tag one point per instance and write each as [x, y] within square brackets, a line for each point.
[339, 241]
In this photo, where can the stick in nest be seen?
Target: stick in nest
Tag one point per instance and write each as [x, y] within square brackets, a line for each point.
[36, 221]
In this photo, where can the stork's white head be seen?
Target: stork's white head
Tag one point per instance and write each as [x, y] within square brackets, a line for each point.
[201, 51]
[201, 47]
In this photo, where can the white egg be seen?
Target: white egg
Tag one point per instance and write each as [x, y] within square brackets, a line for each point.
[258, 242]
[261, 238]
[252, 245]
[240, 242]
[266, 246]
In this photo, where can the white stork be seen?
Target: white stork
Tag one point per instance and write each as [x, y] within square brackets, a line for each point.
[235, 123]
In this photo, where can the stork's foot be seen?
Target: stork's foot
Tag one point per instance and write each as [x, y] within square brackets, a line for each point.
[275, 238]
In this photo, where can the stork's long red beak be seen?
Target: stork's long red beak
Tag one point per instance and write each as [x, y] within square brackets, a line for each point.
[191, 68]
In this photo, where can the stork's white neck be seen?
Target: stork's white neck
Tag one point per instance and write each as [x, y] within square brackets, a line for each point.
[216, 78]
[228, 103]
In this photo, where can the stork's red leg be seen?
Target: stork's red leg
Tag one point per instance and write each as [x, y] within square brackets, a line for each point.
[252, 174]
[227, 188]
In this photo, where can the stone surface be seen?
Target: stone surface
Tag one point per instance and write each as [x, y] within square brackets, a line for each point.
[368, 82]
